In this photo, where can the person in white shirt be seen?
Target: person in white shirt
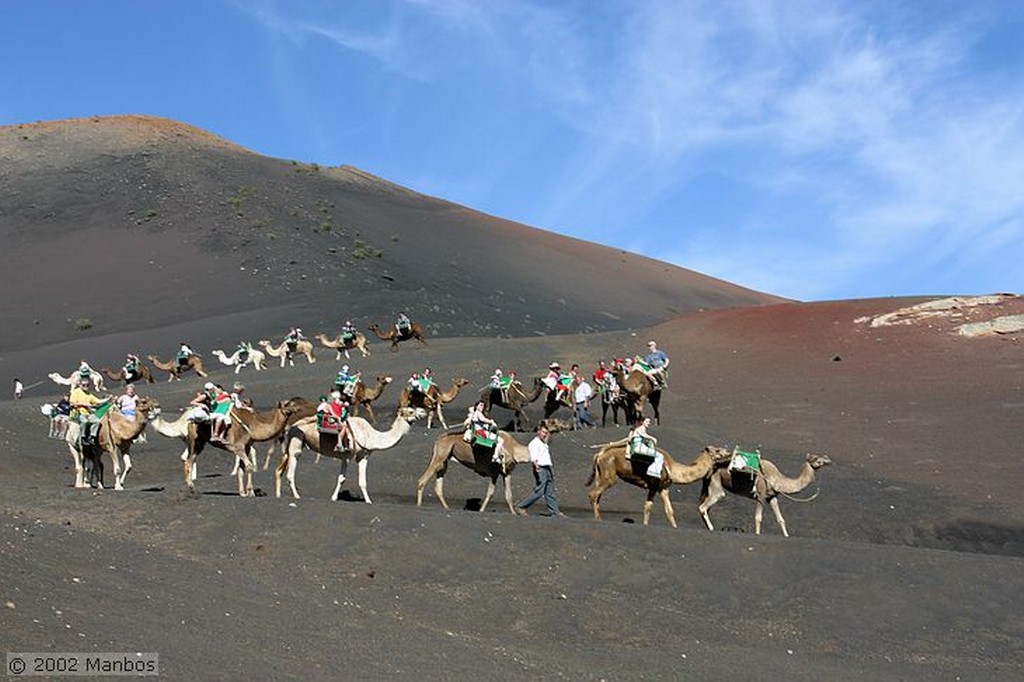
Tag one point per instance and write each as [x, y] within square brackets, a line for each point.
[540, 456]
[582, 398]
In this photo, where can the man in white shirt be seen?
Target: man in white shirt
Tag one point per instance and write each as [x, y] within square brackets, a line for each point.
[583, 395]
[540, 456]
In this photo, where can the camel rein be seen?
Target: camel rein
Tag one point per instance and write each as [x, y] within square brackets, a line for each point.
[804, 499]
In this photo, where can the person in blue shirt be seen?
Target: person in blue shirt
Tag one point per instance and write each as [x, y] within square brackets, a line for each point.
[657, 363]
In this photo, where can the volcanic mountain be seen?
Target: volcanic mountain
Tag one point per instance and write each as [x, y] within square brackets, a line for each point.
[146, 216]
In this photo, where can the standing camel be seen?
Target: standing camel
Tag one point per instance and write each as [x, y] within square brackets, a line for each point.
[342, 345]
[143, 373]
[415, 332]
[115, 434]
[449, 446]
[610, 465]
[433, 400]
[302, 347]
[763, 487]
[247, 427]
[517, 400]
[304, 433]
[637, 389]
[175, 370]
[363, 396]
[256, 358]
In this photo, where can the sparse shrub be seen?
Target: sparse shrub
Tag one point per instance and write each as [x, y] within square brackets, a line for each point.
[83, 323]
[361, 250]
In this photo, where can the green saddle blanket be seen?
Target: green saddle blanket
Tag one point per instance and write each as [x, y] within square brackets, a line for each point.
[639, 446]
[746, 461]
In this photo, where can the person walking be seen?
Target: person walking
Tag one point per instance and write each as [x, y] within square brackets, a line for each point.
[19, 388]
[583, 395]
[540, 456]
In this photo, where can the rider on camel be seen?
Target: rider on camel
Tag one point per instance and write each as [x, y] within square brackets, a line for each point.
[403, 324]
[348, 331]
[131, 366]
[655, 364]
[184, 353]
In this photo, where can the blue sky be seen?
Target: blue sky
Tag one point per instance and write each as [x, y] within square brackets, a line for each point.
[816, 150]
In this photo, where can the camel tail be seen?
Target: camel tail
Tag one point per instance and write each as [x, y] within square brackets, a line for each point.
[593, 473]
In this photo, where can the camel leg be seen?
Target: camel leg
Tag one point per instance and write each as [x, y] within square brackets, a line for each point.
[293, 464]
[490, 492]
[421, 484]
[440, 418]
[189, 468]
[124, 474]
[439, 490]
[595, 497]
[362, 477]
[648, 505]
[670, 513]
[369, 411]
[278, 471]
[758, 513]
[778, 516]
[706, 504]
[507, 484]
[341, 479]
[79, 459]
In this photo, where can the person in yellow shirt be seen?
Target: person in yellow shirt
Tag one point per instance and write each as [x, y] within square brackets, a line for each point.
[83, 404]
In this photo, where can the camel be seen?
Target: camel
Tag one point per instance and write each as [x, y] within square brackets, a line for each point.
[304, 433]
[341, 345]
[433, 400]
[415, 332]
[449, 446]
[635, 390]
[302, 346]
[610, 465]
[256, 358]
[175, 370]
[71, 380]
[763, 487]
[247, 427]
[363, 395]
[115, 434]
[143, 373]
[516, 401]
[179, 429]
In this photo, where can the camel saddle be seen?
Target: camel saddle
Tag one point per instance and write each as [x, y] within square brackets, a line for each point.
[748, 462]
[641, 448]
[485, 437]
[328, 423]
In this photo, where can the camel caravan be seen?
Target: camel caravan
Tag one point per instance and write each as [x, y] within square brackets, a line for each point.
[95, 428]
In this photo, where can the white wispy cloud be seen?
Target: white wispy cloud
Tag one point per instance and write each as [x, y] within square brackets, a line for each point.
[870, 135]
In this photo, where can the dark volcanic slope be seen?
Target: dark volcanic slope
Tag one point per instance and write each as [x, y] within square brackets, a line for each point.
[104, 214]
[906, 566]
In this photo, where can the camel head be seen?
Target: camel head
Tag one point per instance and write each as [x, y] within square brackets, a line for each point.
[384, 380]
[411, 414]
[554, 425]
[818, 461]
[460, 381]
[147, 406]
[718, 455]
